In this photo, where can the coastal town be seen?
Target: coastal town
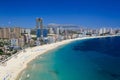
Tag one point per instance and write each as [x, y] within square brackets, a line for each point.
[59, 39]
[16, 39]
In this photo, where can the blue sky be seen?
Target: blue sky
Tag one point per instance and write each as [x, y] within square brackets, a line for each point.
[89, 13]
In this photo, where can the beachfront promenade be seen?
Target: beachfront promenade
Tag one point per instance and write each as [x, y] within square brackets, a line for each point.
[19, 62]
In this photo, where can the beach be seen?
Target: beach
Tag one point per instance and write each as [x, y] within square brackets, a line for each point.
[18, 63]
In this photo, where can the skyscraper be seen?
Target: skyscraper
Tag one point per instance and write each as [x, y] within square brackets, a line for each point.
[39, 27]
[45, 32]
[5, 33]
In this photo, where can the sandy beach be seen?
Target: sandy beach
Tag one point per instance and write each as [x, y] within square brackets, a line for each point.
[16, 64]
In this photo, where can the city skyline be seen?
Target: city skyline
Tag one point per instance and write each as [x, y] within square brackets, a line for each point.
[86, 13]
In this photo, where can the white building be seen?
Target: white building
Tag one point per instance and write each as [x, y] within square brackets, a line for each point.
[26, 31]
[51, 31]
[102, 31]
[14, 42]
[58, 31]
[112, 31]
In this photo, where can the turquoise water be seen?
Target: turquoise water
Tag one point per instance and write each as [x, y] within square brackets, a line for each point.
[93, 59]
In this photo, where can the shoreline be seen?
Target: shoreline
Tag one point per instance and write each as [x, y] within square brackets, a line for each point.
[17, 64]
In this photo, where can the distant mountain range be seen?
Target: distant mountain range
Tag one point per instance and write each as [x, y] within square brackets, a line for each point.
[53, 25]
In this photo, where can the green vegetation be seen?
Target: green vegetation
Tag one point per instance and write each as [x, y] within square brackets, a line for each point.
[1, 44]
[1, 51]
[6, 43]
[15, 51]
[34, 38]
[33, 32]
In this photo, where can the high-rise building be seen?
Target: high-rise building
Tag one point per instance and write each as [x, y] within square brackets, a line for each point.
[21, 41]
[17, 32]
[39, 27]
[112, 31]
[102, 31]
[38, 33]
[51, 31]
[5, 33]
[45, 32]
[57, 31]
[0, 33]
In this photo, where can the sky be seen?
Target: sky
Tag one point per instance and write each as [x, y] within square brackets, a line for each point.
[88, 13]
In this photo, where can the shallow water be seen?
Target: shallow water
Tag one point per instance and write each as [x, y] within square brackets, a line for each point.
[93, 59]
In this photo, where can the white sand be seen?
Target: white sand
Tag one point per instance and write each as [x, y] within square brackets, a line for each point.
[16, 64]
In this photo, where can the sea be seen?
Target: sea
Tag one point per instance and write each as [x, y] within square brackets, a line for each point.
[89, 59]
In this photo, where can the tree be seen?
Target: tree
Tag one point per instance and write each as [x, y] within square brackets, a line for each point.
[1, 44]
[1, 51]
